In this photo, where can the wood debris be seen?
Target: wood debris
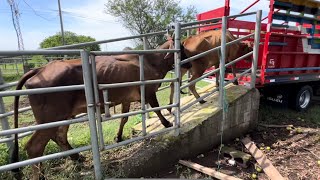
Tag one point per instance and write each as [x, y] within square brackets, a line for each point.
[208, 171]
[262, 160]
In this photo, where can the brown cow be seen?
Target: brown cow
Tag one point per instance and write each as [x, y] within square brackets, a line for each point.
[203, 42]
[65, 105]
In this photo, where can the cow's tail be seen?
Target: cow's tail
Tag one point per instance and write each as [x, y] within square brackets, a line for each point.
[15, 152]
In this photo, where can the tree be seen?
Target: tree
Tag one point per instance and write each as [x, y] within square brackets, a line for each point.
[70, 38]
[145, 16]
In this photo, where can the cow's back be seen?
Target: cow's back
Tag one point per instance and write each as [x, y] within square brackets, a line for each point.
[205, 41]
[57, 106]
[57, 73]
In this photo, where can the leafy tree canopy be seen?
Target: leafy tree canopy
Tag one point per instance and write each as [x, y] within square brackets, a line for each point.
[144, 16]
[70, 38]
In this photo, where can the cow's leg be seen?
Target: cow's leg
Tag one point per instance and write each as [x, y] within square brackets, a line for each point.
[234, 72]
[35, 148]
[152, 100]
[217, 76]
[192, 87]
[125, 109]
[62, 141]
[183, 72]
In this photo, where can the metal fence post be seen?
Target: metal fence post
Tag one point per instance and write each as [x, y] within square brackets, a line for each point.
[177, 61]
[188, 73]
[222, 61]
[97, 101]
[4, 120]
[142, 93]
[146, 47]
[91, 113]
[256, 49]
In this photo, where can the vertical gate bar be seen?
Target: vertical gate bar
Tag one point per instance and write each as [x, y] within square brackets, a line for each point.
[188, 73]
[256, 49]
[146, 47]
[97, 101]
[91, 113]
[177, 72]
[106, 103]
[4, 120]
[16, 63]
[222, 61]
[143, 95]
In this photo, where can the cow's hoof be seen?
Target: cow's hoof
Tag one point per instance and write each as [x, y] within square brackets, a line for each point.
[118, 139]
[183, 92]
[77, 157]
[167, 124]
[202, 101]
[236, 83]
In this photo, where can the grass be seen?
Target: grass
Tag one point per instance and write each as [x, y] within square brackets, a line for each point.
[273, 114]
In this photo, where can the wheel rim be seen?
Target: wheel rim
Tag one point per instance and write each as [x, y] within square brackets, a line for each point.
[304, 99]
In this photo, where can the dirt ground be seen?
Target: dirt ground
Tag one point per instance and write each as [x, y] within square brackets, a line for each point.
[294, 151]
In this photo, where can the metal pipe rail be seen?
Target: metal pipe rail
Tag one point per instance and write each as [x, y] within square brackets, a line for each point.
[42, 90]
[135, 83]
[138, 112]
[43, 158]
[198, 100]
[4, 140]
[200, 78]
[240, 15]
[237, 77]
[200, 55]
[200, 26]
[213, 20]
[140, 52]
[10, 113]
[8, 85]
[238, 59]
[166, 87]
[40, 52]
[106, 41]
[42, 126]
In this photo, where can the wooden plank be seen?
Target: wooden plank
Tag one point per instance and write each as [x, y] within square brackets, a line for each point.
[208, 171]
[275, 126]
[262, 160]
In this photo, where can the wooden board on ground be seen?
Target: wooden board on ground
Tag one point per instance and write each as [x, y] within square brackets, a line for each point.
[208, 171]
[262, 160]
[275, 126]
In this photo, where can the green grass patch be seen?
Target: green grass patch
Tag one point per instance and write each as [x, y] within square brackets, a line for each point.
[273, 115]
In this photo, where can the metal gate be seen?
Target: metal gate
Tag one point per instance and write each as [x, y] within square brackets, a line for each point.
[91, 88]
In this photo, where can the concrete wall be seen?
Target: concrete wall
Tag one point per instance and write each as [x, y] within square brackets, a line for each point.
[199, 133]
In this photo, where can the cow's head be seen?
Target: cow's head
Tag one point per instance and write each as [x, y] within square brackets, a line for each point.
[245, 48]
[170, 56]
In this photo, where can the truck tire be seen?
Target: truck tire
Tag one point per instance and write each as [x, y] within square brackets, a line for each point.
[302, 98]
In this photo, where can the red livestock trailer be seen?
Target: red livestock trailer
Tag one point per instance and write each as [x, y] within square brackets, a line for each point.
[289, 51]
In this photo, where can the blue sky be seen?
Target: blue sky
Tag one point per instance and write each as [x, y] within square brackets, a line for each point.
[39, 19]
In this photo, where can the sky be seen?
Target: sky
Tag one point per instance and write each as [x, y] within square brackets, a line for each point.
[40, 19]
